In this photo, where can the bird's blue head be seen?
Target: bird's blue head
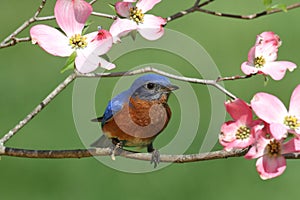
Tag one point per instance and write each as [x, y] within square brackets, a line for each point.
[152, 87]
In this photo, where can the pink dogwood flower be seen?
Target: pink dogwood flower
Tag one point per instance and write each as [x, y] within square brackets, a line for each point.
[270, 109]
[268, 37]
[240, 132]
[269, 151]
[71, 16]
[262, 60]
[134, 18]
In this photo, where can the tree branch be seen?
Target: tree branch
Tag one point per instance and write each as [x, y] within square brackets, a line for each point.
[72, 77]
[76, 74]
[80, 153]
[104, 15]
[198, 7]
[37, 109]
[40, 8]
[93, 1]
[154, 70]
[85, 153]
[189, 10]
[248, 17]
[45, 18]
[12, 40]
[237, 77]
[12, 37]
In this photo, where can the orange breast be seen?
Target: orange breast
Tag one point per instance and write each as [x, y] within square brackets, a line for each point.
[138, 123]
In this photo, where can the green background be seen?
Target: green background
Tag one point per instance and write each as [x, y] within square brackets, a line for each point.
[28, 74]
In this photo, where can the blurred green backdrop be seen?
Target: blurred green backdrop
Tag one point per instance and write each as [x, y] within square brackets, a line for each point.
[28, 74]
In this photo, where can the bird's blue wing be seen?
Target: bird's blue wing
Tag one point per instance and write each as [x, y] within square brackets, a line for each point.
[115, 105]
[108, 113]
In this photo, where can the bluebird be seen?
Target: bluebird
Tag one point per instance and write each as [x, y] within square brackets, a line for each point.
[135, 117]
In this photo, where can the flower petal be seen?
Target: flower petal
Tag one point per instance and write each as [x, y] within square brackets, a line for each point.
[106, 65]
[51, 40]
[277, 69]
[253, 153]
[152, 28]
[251, 55]
[240, 144]
[270, 167]
[99, 42]
[122, 8]
[86, 62]
[268, 37]
[258, 148]
[288, 65]
[293, 145]
[146, 5]
[238, 109]
[228, 130]
[247, 68]
[284, 65]
[268, 107]
[267, 50]
[278, 131]
[294, 108]
[71, 15]
[274, 69]
[82, 11]
[121, 27]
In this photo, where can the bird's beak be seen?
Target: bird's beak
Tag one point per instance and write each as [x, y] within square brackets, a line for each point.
[172, 87]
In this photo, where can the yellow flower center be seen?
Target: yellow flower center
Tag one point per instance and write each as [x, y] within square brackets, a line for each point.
[259, 62]
[136, 15]
[78, 41]
[242, 133]
[274, 148]
[292, 122]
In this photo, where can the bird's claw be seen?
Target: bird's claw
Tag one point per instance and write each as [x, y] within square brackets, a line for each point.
[155, 159]
[115, 152]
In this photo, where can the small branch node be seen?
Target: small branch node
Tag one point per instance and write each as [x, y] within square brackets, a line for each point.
[2, 148]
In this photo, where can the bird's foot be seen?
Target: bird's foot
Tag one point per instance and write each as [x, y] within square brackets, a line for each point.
[116, 150]
[155, 159]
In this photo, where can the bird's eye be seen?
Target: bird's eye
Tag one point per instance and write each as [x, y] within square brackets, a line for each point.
[150, 86]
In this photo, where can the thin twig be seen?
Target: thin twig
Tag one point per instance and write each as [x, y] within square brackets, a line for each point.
[204, 3]
[92, 2]
[38, 109]
[45, 18]
[251, 16]
[189, 10]
[197, 2]
[104, 15]
[40, 8]
[14, 41]
[248, 17]
[23, 26]
[232, 78]
[199, 8]
[292, 156]
[157, 71]
[16, 32]
[181, 14]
